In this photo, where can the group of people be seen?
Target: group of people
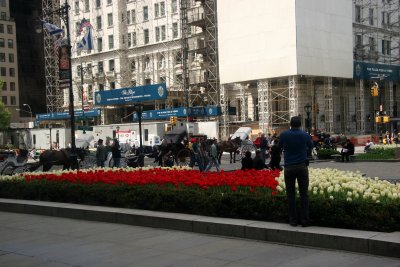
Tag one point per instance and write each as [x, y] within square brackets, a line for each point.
[268, 149]
[103, 150]
[203, 154]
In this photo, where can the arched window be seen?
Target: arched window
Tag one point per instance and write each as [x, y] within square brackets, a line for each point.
[133, 65]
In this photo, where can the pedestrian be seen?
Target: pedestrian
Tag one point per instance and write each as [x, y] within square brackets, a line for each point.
[247, 161]
[100, 153]
[275, 162]
[295, 144]
[258, 161]
[197, 155]
[116, 153]
[213, 159]
[263, 147]
[368, 146]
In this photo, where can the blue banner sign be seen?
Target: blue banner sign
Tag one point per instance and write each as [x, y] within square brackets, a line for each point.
[179, 112]
[372, 71]
[131, 94]
[65, 115]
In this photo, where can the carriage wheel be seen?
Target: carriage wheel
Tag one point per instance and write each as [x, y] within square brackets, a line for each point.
[8, 169]
[20, 170]
[183, 157]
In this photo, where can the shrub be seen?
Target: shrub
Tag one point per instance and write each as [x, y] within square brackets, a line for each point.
[326, 153]
[378, 153]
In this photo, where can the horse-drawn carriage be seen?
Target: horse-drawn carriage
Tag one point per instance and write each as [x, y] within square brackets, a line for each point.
[174, 149]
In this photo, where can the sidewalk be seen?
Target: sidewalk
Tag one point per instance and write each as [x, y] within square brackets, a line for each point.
[384, 244]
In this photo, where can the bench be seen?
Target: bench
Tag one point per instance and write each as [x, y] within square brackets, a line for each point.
[338, 157]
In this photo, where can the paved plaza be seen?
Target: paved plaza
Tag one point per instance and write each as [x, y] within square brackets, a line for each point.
[32, 240]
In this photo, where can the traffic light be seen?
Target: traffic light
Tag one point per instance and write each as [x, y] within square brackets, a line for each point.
[386, 119]
[173, 120]
[378, 119]
[375, 90]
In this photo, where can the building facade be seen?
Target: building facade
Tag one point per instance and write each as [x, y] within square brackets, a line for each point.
[9, 61]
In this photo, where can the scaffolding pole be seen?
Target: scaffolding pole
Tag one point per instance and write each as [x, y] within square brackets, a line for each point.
[328, 88]
[264, 105]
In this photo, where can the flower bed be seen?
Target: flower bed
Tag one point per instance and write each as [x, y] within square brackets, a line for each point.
[337, 198]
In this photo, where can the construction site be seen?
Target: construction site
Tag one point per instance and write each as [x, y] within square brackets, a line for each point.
[225, 56]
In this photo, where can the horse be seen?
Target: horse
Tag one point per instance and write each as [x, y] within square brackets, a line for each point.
[64, 157]
[230, 146]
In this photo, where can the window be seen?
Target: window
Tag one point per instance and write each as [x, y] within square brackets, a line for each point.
[3, 3]
[133, 38]
[358, 14]
[78, 71]
[163, 33]
[386, 47]
[175, 30]
[123, 39]
[4, 99]
[110, 19]
[162, 9]
[371, 16]
[2, 57]
[100, 44]
[146, 36]
[359, 41]
[156, 10]
[110, 41]
[146, 134]
[3, 71]
[174, 6]
[98, 22]
[11, 58]
[112, 85]
[2, 42]
[145, 13]
[9, 29]
[77, 28]
[385, 18]
[111, 65]
[161, 62]
[100, 66]
[129, 39]
[4, 86]
[128, 17]
[133, 65]
[87, 7]
[13, 100]
[157, 34]
[3, 15]
[147, 81]
[1, 28]
[90, 92]
[109, 2]
[76, 7]
[133, 14]
[98, 3]
[101, 87]
[12, 86]
[371, 44]
[12, 72]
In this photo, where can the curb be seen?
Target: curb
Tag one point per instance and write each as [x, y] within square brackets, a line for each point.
[375, 243]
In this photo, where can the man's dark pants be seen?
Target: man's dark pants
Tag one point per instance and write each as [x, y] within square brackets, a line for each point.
[299, 172]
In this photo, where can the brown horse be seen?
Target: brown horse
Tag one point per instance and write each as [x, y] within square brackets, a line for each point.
[64, 157]
[230, 146]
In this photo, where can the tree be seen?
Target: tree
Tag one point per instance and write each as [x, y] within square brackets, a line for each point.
[5, 115]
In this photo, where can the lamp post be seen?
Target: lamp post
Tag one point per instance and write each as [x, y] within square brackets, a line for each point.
[62, 12]
[30, 110]
[117, 133]
[307, 109]
[22, 110]
[51, 141]
[139, 109]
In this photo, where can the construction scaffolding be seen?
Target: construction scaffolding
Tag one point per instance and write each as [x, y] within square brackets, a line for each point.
[54, 96]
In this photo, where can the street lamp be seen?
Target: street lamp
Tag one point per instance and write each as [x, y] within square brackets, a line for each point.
[62, 12]
[30, 110]
[307, 109]
[139, 109]
[117, 133]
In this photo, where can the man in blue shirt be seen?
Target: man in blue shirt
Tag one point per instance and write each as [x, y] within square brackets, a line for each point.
[295, 144]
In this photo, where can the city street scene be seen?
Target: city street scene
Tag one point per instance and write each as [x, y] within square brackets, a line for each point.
[199, 133]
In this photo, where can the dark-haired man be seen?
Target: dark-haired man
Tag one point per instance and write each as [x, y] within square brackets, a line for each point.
[295, 144]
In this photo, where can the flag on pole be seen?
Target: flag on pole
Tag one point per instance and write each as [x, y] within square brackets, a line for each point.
[84, 24]
[86, 42]
[52, 29]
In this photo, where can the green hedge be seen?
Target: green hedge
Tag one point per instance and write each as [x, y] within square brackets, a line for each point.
[259, 205]
[378, 153]
[326, 153]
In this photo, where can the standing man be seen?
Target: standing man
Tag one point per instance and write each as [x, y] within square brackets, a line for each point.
[100, 153]
[116, 153]
[263, 147]
[295, 144]
[213, 157]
